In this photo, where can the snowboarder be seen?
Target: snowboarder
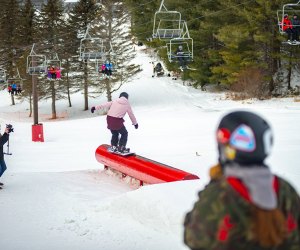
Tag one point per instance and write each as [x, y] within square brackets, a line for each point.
[115, 122]
[3, 140]
[245, 206]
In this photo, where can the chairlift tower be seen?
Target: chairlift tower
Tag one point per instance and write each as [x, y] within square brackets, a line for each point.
[36, 65]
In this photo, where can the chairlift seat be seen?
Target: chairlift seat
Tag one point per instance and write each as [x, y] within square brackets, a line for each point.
[37, 69]
[92, 55]
[168, 33]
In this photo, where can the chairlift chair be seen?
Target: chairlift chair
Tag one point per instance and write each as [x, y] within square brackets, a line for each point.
[290, 9]
[91, 48]
[16, 79]
[55, 62]
[36, 63]
[167, 24]
[187, 44]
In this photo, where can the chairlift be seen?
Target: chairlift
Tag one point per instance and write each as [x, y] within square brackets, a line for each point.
[54, 68]
[16, 82]
[187, 44]
[111, 59]
[167, 24]
[2, 75]
[289, 9]
[91, 48]
[36, 63]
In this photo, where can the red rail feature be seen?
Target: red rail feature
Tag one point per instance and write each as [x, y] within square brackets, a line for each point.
[141, 168]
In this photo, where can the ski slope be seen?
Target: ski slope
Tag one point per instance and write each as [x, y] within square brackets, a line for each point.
[57, 196]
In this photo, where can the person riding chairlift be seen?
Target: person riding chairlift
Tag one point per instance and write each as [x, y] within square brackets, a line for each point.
[108, 68]
[180, 56]
[287, 27]
[52, 72]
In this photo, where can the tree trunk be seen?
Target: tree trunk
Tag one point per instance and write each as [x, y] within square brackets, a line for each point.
[289, 76]
[85, 87]
[30, 105]
[108, 90]
[53, 95]
[12, 99]
[68, 84]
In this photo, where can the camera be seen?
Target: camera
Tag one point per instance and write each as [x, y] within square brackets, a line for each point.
[10, 128]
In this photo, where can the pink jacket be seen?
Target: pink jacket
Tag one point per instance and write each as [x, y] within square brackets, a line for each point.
[118, 108]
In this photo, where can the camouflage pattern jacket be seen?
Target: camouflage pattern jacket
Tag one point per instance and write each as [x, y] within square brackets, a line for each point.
[221, 218]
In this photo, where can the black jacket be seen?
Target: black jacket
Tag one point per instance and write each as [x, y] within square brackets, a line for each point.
[3, 140]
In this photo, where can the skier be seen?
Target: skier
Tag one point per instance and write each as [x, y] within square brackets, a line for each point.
[3, 140]
[103, 68]
[115, 122]
[108, 69]
[52, 72]
[287, 27]
[9, 89]
[180, 56]
[14, 88]
[58, 73]
[245, 206]
[296, 28]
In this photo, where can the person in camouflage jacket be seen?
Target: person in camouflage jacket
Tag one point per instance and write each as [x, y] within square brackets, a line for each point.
[245, 206]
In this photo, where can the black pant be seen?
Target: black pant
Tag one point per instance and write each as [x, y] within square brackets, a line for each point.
[289, 33]
[296, 33]
[115, 137]
[2, 166]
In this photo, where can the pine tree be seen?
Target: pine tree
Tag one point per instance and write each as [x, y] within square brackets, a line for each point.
[81, 17]
[51, 25]
[9, 38]
[27, 38]
[115, 23]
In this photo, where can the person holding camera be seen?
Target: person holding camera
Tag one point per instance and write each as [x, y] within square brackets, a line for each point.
[3, 140]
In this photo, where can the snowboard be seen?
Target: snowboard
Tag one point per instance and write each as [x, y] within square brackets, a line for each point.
[119, 153]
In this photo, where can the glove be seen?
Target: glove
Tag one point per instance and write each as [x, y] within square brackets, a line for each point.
[136, 126]
[93, 109]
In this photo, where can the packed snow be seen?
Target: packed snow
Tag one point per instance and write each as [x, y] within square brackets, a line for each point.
[57, 196]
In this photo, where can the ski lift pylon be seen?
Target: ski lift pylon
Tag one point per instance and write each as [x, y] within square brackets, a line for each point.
[36, 63]
[167, 24]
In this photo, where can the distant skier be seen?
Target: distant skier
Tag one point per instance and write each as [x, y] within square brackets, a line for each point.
[245, 206]
[115, 122]
[3, 140]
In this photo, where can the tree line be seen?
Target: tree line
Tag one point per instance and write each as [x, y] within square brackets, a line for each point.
[237, 43]
[55, 32]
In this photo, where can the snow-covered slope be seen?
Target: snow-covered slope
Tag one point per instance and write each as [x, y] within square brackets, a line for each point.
[57, 196]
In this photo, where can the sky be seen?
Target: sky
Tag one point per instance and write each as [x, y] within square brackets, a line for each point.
[57, 196]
